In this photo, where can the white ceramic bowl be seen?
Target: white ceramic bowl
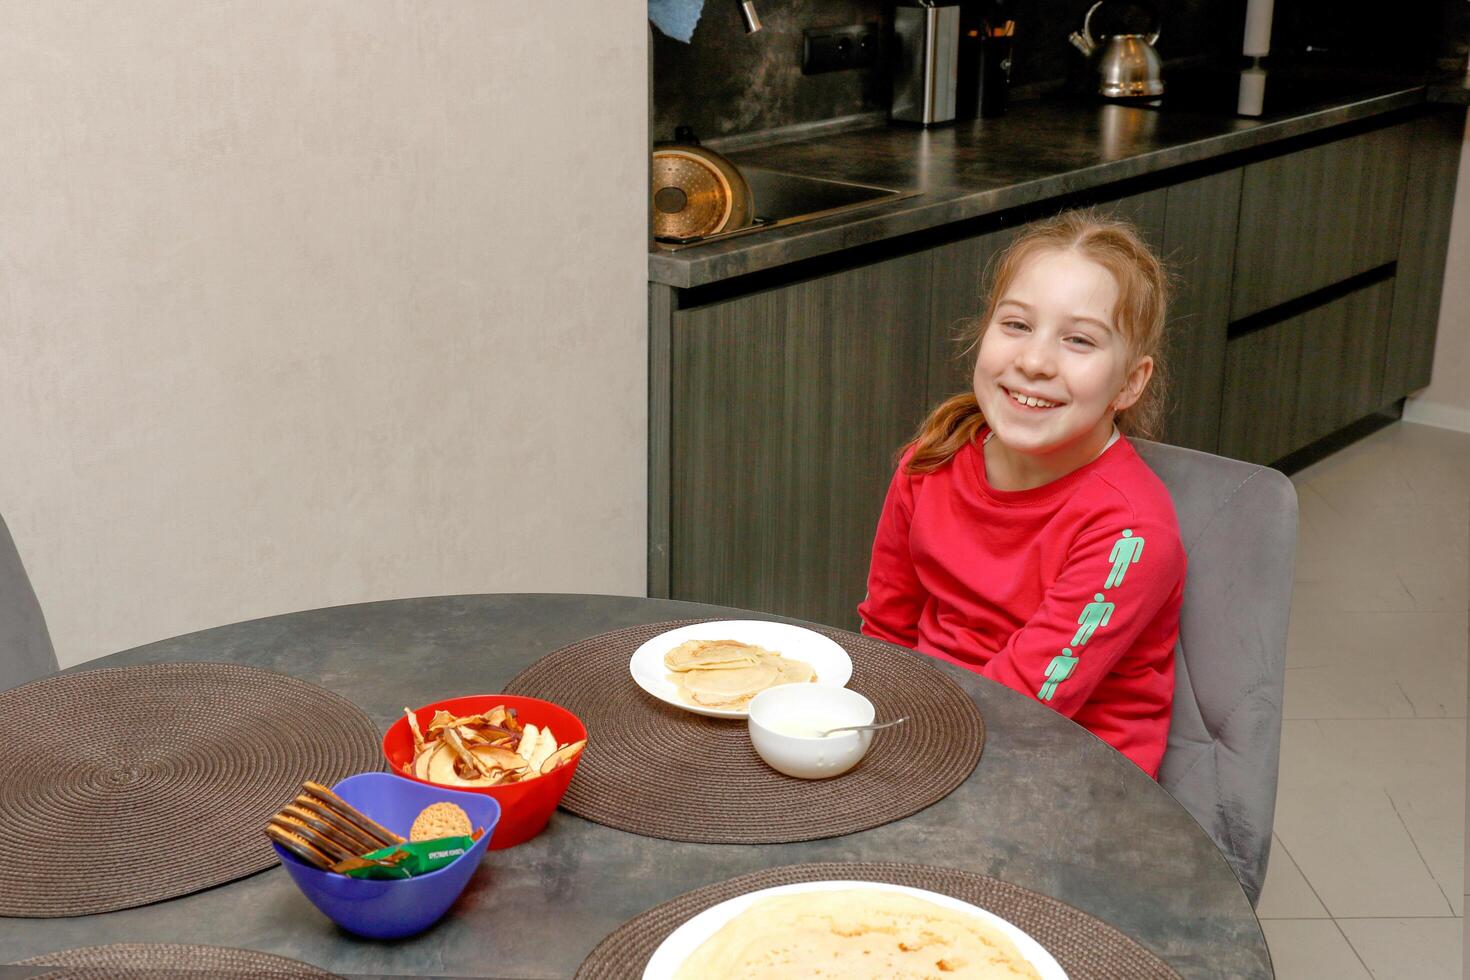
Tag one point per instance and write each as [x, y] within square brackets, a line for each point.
[783, 722]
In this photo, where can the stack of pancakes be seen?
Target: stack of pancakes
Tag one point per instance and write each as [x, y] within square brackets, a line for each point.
[857, 934]
[728, 673]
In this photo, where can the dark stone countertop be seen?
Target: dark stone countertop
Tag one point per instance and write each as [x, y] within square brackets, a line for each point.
[1039, 150]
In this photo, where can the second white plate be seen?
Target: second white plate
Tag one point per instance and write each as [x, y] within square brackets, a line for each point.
[831, 662]
[683, 941]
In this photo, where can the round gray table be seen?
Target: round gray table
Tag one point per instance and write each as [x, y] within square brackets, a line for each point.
[1049, 807]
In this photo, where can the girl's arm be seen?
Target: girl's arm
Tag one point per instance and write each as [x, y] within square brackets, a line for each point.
[1111, 588]
[895, 598]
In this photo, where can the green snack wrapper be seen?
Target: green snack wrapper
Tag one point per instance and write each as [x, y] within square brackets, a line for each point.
[406, 860]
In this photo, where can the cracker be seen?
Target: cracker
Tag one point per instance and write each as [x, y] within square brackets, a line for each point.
[440, 820]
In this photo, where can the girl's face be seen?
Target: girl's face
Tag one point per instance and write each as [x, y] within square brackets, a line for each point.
[1053, 369]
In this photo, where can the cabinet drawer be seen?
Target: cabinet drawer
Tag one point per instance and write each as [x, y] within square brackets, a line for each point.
[1296, 381]
[1315, 217]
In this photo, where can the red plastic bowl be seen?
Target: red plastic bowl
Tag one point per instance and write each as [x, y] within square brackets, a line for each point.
[525, 807]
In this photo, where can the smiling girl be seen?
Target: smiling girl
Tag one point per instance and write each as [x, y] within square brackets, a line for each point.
[1022, 536]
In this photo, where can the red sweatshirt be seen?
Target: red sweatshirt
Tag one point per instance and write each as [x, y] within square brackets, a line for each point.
[1068, 592]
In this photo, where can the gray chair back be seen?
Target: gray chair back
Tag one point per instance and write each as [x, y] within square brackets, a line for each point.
[1238, 522]
[25, 645]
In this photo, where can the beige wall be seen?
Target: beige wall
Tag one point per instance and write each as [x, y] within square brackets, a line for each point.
[1446, 402]
[306, 302]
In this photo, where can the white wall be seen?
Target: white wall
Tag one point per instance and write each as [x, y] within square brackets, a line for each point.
[305, 303]
[1446, 402]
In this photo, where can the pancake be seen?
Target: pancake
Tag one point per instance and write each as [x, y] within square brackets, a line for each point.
[855, 934]
[796, 672]
[728, 673]
[712, 655]
[717, 688]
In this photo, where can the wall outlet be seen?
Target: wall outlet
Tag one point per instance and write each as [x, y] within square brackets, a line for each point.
[839, 48]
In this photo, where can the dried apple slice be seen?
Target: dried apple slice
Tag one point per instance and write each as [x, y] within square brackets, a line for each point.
[413, 726]
[441, 768]
[438, 766]
[529, 738]
[561, 755]
[440, 721]
[471, 736]
[546, 746]
[456, 744]
[499, 757]
[422, 761]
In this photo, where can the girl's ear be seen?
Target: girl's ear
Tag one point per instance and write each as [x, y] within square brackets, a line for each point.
[1134, 384]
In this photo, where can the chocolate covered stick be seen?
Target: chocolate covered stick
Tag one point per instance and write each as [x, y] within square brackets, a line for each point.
[341, 807]
[291, 825]
[363, 841]
[298, 847]
[326, 829]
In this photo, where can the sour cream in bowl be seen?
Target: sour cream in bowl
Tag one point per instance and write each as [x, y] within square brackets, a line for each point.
[786, 723]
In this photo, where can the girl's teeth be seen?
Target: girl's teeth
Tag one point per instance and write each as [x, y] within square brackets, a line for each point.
[1030, 402]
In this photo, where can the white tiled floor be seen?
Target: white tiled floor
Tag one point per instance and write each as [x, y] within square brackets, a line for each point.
[1367, 873]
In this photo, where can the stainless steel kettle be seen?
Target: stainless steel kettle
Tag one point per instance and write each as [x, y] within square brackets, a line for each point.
[1127, 64]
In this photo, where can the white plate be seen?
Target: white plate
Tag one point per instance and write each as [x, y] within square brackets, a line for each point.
[683, 941]
[830, 661]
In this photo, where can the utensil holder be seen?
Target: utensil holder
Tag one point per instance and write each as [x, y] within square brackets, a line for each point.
[984, 75]
[994, 76]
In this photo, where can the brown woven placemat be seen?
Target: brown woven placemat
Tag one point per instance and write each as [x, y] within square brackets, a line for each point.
[128, 785]
[657, 770]
[167, 961]
[1086, 947]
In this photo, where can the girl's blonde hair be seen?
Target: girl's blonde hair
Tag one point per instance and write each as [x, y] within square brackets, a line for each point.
[1143, 295]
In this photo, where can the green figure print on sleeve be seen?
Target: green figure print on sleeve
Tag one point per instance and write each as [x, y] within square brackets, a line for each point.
[1058, 670]
[1094, 614]
[1126, 551]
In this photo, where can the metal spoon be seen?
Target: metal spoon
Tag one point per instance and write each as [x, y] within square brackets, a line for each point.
[865, 728]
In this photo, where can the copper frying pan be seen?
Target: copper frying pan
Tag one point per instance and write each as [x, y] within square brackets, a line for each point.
[696, 192]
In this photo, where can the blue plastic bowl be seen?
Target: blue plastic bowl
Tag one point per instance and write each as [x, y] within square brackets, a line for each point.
[397, 907]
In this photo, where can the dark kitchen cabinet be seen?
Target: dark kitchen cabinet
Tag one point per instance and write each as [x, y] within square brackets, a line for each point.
[1423, 245]
[785, 410]
[1293, 382]
[1199, 238]
[1318, 216]
[1258, 415]
[1147, 211]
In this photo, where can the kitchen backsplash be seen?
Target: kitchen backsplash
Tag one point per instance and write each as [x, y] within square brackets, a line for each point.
[728, 82]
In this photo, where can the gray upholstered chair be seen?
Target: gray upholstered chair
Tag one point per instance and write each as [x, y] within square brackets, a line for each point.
[25, 645]
[1238, 522]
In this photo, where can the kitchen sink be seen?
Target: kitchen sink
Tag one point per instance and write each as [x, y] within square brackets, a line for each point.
[791, 197]
[779, 199]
